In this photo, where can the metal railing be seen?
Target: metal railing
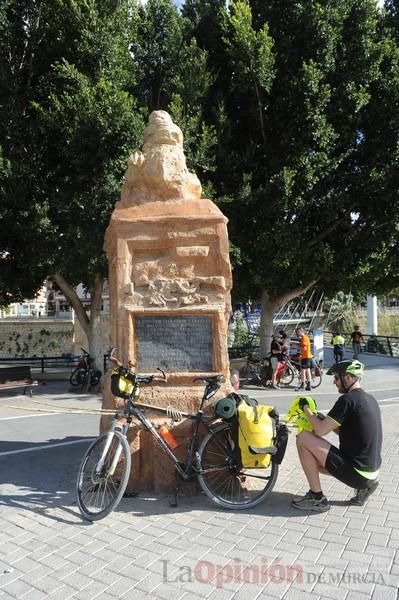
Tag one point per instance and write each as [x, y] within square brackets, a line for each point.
[45, 363]
[387, 345]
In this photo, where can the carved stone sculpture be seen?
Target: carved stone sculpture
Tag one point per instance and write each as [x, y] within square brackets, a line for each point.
[169, 278]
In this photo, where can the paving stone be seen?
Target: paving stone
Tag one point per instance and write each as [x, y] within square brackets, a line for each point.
[120, 587]
[18, 588]
[380, 551]
[65, 592]
[32, 595]
[356, 556]
[94, 590]
[167, 592]
[356, 544]
[354, 595]
[49, 584]
[382, 592]
[294, 594]
[105, 576]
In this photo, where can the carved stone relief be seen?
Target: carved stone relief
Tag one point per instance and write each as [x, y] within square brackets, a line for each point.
[174, 277]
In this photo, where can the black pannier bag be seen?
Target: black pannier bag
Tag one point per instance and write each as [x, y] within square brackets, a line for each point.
[280, 443]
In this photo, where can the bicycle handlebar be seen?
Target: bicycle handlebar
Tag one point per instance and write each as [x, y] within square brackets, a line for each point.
[135, 376]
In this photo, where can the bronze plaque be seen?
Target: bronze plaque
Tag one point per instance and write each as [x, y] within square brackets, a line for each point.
[175, 344]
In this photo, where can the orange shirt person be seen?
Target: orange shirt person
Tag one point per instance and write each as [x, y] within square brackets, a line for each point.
[304, 346]
[306, 359]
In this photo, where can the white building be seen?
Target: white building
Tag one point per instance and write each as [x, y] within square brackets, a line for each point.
[50, 303]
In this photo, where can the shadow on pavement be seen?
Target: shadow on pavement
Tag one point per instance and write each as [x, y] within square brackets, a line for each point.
[45, 480]
[42, 481]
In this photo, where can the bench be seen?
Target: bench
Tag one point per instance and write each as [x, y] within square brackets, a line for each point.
[15, 377]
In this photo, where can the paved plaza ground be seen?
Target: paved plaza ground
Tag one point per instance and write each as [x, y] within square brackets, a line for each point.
[148, 550]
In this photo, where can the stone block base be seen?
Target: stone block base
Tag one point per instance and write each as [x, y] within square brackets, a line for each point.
[152, 469]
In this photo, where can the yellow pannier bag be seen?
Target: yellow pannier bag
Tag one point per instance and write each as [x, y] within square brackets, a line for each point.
[256, 434]
[121, 386]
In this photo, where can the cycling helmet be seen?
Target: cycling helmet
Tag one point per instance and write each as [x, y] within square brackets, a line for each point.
[352, 367]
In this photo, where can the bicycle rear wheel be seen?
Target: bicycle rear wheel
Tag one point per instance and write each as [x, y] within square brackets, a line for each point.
[317, 375]
[224, 482]
[100, 491]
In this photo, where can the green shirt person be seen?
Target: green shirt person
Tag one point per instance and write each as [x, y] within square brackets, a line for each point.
[338, 341]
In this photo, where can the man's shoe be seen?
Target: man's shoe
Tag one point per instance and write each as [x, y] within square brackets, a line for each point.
[312, 504]
[308, 387]
[361, 495]
[274, 387]
[299, 387]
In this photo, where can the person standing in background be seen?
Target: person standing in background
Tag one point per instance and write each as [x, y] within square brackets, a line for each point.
[357, 340]
[275, 350]
[285, 343]
[338, 341]
[306, 360]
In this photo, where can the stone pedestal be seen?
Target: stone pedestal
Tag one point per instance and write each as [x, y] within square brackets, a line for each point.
[170, 281]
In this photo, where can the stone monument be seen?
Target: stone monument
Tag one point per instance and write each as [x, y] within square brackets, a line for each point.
[169, 283]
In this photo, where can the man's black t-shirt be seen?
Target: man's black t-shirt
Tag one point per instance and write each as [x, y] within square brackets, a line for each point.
[360, 431]
[274, 346]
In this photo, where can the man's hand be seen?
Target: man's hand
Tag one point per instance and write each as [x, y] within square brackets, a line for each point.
[303, 402]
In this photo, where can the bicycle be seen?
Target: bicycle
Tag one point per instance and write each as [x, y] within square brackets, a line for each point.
[105, 468]
[84, 374]
[256, 371]
[291, 369]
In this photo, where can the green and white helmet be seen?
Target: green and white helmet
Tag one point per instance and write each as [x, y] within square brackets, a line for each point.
[352, 367]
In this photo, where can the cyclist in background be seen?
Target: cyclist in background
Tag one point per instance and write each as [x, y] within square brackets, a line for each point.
[285, 343]
[305, 360]
[356, 418]
[275, 352]
[338, 341]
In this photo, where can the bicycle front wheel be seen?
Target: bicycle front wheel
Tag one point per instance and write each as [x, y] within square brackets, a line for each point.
[224, 482]
[99, 490]
[77, 377]
[287, 376]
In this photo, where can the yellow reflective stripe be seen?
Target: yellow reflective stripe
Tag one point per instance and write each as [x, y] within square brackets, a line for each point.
[368, 474]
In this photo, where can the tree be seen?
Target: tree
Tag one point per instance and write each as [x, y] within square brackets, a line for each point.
[67, 127]
[292, 90]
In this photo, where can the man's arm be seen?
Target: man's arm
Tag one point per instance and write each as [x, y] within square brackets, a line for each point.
[321, 427]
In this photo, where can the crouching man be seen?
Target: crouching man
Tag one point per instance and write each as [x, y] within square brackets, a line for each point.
[356, 418]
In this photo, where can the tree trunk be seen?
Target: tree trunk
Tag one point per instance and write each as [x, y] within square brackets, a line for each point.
[94, 336]
[91, 326]
[269, 307]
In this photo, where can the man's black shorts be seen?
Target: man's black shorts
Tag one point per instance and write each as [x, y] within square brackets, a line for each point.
[342, 469]
[306, 363]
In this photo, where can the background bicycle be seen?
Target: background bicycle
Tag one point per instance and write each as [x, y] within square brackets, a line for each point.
[84, 374]
[256, 371]
[289, 370]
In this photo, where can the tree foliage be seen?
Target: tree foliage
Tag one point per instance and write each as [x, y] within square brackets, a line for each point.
[68, 124]
[289, 110]
[295, 162]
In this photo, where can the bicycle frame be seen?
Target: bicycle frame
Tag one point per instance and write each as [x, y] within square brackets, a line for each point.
[133, 411]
